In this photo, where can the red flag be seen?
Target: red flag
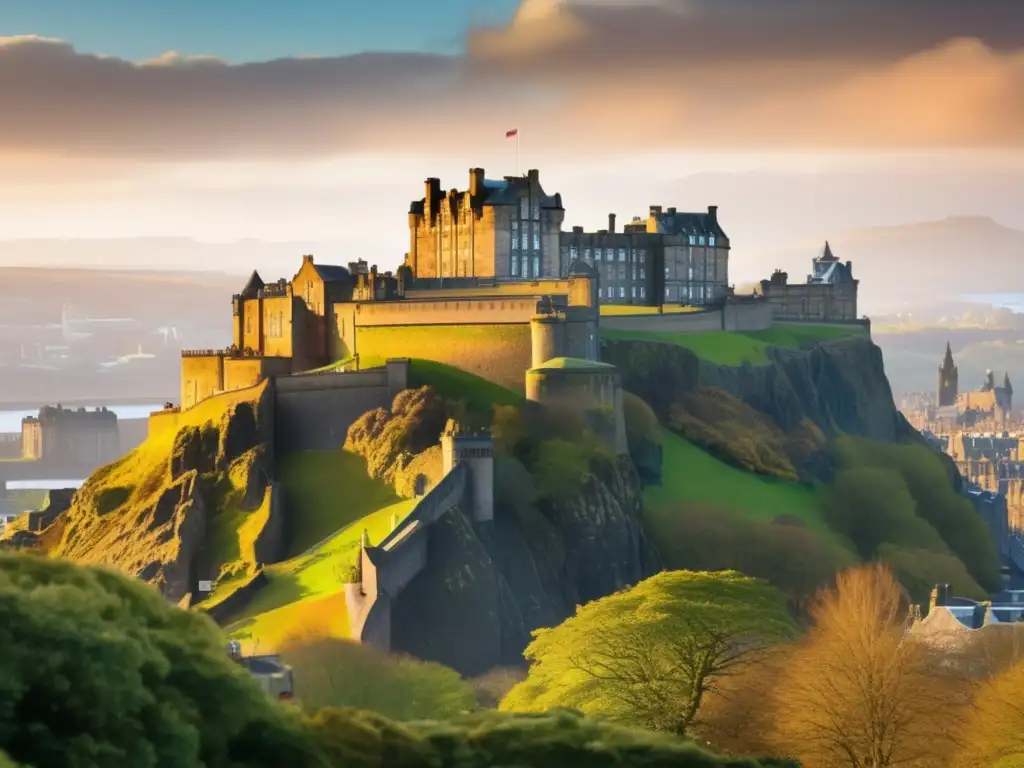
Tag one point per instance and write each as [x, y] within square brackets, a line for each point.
[510, 134]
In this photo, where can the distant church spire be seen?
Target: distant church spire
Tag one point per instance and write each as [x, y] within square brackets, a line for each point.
[826, 253]
[948, 379]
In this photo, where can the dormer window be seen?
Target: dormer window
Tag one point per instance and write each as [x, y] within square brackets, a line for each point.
[711, 240]
[701, 240]
[693, 240]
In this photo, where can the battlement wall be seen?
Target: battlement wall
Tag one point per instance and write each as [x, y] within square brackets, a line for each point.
[735, 316]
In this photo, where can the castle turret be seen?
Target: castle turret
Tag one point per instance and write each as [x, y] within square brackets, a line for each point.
[547, 335]
[477, 451]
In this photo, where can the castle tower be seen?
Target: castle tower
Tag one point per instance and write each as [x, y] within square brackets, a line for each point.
[948, 375]
[547, 336]
[478, 452]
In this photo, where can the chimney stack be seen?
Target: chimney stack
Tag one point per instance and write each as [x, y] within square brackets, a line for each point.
[713, 213]
[655, 210]
[476, 181]
[671, 211]
[307, 259]
[611, 222]
[533, 175]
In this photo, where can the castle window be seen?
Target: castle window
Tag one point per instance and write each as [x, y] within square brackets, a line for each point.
[632, 292]
[515, 265]
[711, 240]
[536, 239]
[622, 271]
[622, 292]
[536, 210]
[700, 240]
[597, 254]
[611, 292]
[693, 240]
[643, 273]
[642, 292]
[515, 242]
[666, 273]
[622, 254]
[587, 255]
[524, 208]
[634, 271]
[536, 266]
[573, 252]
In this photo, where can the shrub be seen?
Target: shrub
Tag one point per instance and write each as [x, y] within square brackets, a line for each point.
[872, 506]
[948, 513]
[330, 672]
[730, 429]
[792, 558]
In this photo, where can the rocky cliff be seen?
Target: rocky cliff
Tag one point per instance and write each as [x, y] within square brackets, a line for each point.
[488, 585]
[170, 511]
[838, 386]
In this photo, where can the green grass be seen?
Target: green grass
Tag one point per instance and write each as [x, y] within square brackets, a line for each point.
[691, 475]
[305, 596]
[732, 348]
[456, 384]
[326, 491]
[611, 310]
[335, 366]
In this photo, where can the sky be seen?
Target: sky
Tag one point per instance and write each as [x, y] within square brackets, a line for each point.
[316, 120]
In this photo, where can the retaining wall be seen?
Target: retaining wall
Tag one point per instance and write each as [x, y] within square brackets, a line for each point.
[735, 317]
[315, 411]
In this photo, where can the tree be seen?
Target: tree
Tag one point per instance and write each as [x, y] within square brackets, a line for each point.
[98, 669]
[650, 654]
[993, 732]
[856, 692]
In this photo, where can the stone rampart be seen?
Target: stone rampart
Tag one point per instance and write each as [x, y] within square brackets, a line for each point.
[387, 568]
[315, 411]
[734, 316]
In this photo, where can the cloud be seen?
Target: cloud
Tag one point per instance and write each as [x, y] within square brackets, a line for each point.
[598, 75]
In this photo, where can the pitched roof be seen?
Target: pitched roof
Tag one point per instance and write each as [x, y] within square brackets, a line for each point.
[683, 223]
[826, 253]
[332, 272]
[253, 286]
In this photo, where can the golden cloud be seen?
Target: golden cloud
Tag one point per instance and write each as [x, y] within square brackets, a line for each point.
[572, 74]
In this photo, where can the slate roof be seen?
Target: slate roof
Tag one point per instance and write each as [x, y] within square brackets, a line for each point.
[497, 192]
[682, 223]
[332, 272]
[252, 287]
[829, 269]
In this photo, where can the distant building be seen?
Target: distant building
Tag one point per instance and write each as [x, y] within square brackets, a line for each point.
[503, 228]
[71, 436]
[829, 295]
[988, 405]
[948, 379]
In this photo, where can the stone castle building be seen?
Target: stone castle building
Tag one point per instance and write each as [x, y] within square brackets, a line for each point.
[77, 437]
[511, 229]
[948, 380]
[829, 295]
[672, 257]
[329, 314]
[506, 229]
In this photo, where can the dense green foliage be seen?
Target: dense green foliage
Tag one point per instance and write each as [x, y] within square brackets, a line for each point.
[647, 655]
[329, 672]
[99, 670]
[901, 495]
[782, 550]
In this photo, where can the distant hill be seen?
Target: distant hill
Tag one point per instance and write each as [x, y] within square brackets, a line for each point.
[180, 254]
[921, 263]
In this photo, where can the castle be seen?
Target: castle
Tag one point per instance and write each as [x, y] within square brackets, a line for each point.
[829, 294]
[76, 437]
[492, 285]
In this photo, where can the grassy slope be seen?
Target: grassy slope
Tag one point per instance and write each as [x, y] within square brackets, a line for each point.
[691, 475]
[727, 348]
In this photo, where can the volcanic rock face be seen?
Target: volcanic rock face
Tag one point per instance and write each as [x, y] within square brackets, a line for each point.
[151, 513]
[488, 585]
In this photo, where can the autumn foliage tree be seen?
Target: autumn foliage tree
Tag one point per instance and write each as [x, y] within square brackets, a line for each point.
[993, 732]
[649, 655]
[857, 692]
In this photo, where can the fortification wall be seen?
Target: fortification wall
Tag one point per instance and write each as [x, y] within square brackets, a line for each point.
[736, 317]
[462, 311]
[497, 352]
[314, 411]
[202, 376]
